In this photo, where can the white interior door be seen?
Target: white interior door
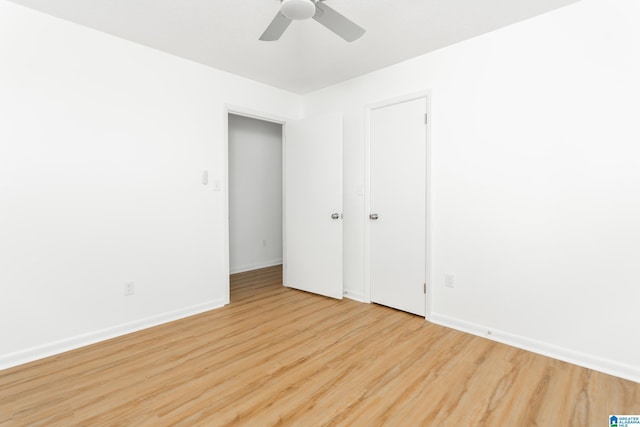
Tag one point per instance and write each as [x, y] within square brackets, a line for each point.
[313, 205]
[398, 154]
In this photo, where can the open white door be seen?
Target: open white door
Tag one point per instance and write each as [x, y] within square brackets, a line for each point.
[313, 205]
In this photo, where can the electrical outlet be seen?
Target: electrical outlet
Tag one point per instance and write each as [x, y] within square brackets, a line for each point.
[449, 280]
[129, 288]
[264, 243]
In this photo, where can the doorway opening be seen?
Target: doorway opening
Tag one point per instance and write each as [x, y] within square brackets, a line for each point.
[255, 182]
[311, 203]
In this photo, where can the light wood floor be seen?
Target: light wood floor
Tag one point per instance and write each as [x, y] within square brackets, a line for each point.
[278, 356]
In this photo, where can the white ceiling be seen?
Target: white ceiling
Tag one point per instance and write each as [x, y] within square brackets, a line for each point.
[224, 33]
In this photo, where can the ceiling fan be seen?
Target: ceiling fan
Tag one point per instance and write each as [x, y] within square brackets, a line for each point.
[304, 9]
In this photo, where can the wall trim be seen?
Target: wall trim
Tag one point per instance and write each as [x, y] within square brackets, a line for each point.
[40, 352]
[256, 266]
[607, 366]
[354, 295]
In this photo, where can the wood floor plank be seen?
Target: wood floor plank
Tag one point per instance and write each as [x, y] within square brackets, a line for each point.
[281, 357]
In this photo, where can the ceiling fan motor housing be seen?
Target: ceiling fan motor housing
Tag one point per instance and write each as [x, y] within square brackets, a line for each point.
[298, 9]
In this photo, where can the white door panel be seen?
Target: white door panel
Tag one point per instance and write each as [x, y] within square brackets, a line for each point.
[313, 193]
[398, 153]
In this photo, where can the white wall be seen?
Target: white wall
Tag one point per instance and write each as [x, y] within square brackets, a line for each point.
[535, 178]
[255, 193]
[102, 147]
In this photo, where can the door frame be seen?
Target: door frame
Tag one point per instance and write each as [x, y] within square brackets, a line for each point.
[426, 94]
[258, 115]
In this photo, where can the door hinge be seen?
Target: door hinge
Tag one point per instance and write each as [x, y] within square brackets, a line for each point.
[424, 288]
[426, 120]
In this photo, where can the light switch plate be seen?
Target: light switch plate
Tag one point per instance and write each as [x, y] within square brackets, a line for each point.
[449, 280]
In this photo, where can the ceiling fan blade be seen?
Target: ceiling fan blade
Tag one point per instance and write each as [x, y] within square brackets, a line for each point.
[337, 23]
[276, 28]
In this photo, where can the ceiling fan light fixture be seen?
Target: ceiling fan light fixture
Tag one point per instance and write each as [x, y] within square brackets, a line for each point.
[298, 9]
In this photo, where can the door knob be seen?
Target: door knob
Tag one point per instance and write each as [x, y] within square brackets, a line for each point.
[373, 217]
[335, 216]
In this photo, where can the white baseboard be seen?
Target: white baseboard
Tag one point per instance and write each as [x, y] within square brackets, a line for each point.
[265, 264]
[40, 352]
[356, 296]
[607, 366]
